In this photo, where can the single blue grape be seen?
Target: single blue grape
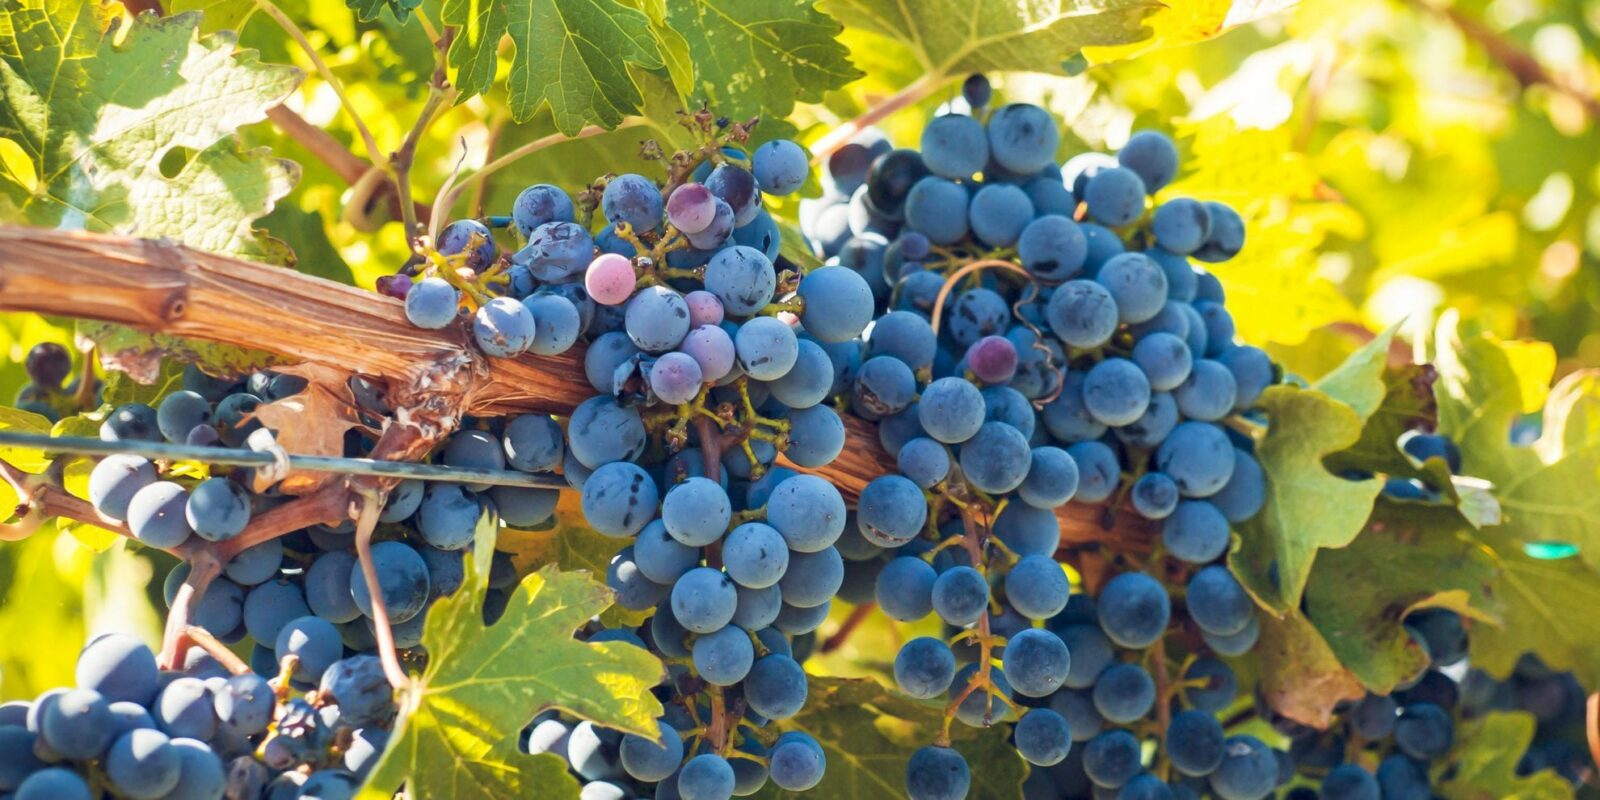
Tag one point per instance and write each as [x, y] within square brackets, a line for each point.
[1036, 662]
[539, 204]
[706, 777]
[458, 235]
[131, 422]
[960, 595]
[1053, 248]
[1198, 457]
[1137, 284]
[1023, 137]
[723, 657]
[1152, 156]
[116, 479]
[775, 687]
[503, 327]
[812, 578]
[1181, 225]
[1236, 644]
[796, 762]
[1116, 391]
[1248, 771]
[1124, 693]
[1216, 687]
[1196, 532]
[1111, 759]
[937, 773]
[1227, 235]
[1099, 471]
[603, 430]
[402, 577]
[780, 166]
[838, 304]
[1115, 197]
[924, 667]
[1082, 313]
[649, 761]
[1043, 737]
[634, 200]
[1165, 359]
[1154, 495]
[54, 783]
[1134, 610]
[891, 511]
[704, 599]
[996, 459]
[1036, 587]
[432, 303]
[998, 213]
[1246, 490]
[954, 146]
[1424, 731]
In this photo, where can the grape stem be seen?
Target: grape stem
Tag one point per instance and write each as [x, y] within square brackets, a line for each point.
[370, 503]
[271, 9]
[955, 277]
[841, 135]
[203, 639]
[40, 498]
[858, 615]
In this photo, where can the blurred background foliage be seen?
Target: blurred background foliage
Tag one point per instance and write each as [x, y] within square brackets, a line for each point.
[1393, 158]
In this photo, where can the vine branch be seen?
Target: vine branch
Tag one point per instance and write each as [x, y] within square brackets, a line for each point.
[1523, 67]
[841, 135]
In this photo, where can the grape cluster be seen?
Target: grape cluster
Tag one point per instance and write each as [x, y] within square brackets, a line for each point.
[1046, 337]
[129, 730]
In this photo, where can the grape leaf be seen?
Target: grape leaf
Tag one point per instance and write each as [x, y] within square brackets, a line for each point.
[1485, 385]
[1410, 556]
[28, 459]
[458, 732]
[674, 48]
[1187, 23]
[137, 136]
[1486, 759]
[758, 57]
[1274, 293]
[571, 55]
[368, 10]
[141, 354]
[1301, 677]
[868, 733]
[1408, 404]
[571, 544]
[1307, 507]
[954, 37]
[1549, 610]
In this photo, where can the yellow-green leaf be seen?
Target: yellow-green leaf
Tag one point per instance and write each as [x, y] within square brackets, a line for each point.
[952, 37]
[146, 146]
[27, 459]
[1486, 762]
[457, 736]
[1549, 610]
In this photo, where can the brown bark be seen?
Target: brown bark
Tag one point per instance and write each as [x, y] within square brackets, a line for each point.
[159, 285]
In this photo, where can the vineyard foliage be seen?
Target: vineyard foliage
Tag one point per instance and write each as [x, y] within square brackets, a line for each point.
[1419, 182]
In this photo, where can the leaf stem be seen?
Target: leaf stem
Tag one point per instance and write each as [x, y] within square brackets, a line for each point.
[448, 199]
[841, 135]
[271, 9]
[366, 520]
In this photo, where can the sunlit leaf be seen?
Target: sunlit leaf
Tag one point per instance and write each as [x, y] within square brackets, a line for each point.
[1488, 757]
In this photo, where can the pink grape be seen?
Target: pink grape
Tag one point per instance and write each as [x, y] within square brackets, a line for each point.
[610, 279]
[711, 348]
[704, 308]
[691, 208]
[675, 378]
[993, 359]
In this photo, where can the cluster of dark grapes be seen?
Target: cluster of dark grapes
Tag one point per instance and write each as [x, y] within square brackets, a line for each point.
[303, 596]
[48, 391]
[1388, 746]
[711, 354]
[130, 730]
[1047, 336]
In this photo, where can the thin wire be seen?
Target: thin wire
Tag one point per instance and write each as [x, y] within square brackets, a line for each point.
[82, 446]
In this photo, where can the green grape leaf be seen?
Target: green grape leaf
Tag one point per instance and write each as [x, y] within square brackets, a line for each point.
[1307, 507]
[1544, 491]
[28, 459]
[570, 543]
[120, 388]
[953, 37]
[457, 734]
[1486, 756]
[1301, 676]
[1548, 609]
[759, 57]
[307, 236]
[137, 136]
[674, 48]
[368, 10]
[571, 55]
[1408, 404]
[1411, 556]
[868, 733]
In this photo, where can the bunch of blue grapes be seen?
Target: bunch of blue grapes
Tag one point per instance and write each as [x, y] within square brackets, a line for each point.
[712, 355]
[52, 391]
[1047, 334]
[130, 730]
